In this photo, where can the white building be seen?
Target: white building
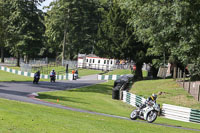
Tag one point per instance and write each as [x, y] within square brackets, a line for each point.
[92, 61]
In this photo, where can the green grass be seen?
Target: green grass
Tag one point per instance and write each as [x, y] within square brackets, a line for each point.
[98, 98]
[7, 77]
[95, 98]
[123, 72]
[22, 117]
[172, 93]
[60, 70]
[19, 117]
[119, 72]
[85, 72]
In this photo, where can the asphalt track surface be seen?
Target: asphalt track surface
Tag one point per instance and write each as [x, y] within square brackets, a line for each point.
[22, 91]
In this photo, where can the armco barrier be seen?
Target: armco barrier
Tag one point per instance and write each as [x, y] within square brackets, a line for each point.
[168, 111]
[58, 77]
[176, 112]
[132, 99]
[108, 77]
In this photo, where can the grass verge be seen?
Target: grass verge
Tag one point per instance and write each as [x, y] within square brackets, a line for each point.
[10, 77]
[98, 98]
[18, 117]
[171, 92]
[60, 70]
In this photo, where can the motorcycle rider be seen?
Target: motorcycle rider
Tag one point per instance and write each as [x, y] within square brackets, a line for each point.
[149, 100]
[53, 74]
[36, 75]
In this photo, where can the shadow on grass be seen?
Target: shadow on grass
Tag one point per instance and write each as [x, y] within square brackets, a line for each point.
[60, 98]
[99, 88]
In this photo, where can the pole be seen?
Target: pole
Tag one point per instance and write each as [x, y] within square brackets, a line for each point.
[199, 94]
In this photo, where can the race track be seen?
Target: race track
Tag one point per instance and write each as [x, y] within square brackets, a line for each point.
[21, 91]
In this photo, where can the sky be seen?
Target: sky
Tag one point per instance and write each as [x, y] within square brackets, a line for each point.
[46, 3]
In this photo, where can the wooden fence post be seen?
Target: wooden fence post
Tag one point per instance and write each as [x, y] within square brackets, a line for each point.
[199, 94]
[189, 86]
[178, 76]
[184, 80]
[175, 72]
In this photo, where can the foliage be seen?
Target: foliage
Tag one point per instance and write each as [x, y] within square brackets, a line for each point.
[117, 37]
[26, 28]
[170, 27]
[73, 20]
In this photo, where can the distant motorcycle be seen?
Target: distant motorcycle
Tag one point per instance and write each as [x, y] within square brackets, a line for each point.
[75, 76]
[149, 113]
[53, 78]
[36, 80]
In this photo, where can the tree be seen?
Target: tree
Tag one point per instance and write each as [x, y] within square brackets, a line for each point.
[72, 26]
[26, 29]
[116, 39]
[168, 26]
[4, 14]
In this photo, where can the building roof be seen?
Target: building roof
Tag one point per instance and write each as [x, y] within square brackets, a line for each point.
[92, 55]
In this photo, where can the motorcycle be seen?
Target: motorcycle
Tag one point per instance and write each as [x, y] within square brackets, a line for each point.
[148, 113]
[52, 78]
[36, 79]
[75, 76]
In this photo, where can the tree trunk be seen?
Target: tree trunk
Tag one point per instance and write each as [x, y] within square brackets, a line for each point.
[2, 55]
[18, 59]
[26, 59]
[63, 50]
[175, 72]
[138, 73]
[154, 72]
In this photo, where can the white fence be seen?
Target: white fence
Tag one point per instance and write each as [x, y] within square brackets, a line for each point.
[168, 111]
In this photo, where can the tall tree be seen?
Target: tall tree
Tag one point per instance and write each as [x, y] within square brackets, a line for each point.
[26, 29]
[4, 15]
[116, 39]
[74, 22]
[169, 26]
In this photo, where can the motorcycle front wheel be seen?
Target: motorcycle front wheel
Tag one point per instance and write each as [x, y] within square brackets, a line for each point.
[152, 115]
[133, 115]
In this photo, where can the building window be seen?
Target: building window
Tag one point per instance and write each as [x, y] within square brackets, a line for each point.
[110, 62]
[104, 61]
[98, 61]
[107, 61]
[93, 60]
[90, 60]
[87, 60]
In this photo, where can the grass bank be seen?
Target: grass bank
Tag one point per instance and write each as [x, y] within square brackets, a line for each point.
[19, 117]
[123, 72]
[171, 92]
[98, 98]
[60, 70]
[10, 77]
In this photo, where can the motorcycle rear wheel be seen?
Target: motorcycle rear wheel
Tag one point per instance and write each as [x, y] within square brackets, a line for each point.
[133, 115]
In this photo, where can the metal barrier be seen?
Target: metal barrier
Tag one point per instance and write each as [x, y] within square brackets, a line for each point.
[43, 76]
[108, 77]
[168, 111]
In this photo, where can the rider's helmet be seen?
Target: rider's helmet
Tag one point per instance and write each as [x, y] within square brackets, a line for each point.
[154, 97]
[53, 70]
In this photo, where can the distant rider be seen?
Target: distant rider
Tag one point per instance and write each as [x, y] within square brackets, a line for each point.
[52, 73]
[36, 77]
[37, 74]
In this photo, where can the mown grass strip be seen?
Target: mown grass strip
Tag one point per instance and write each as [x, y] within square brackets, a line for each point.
[98, 98]
[22, 117]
